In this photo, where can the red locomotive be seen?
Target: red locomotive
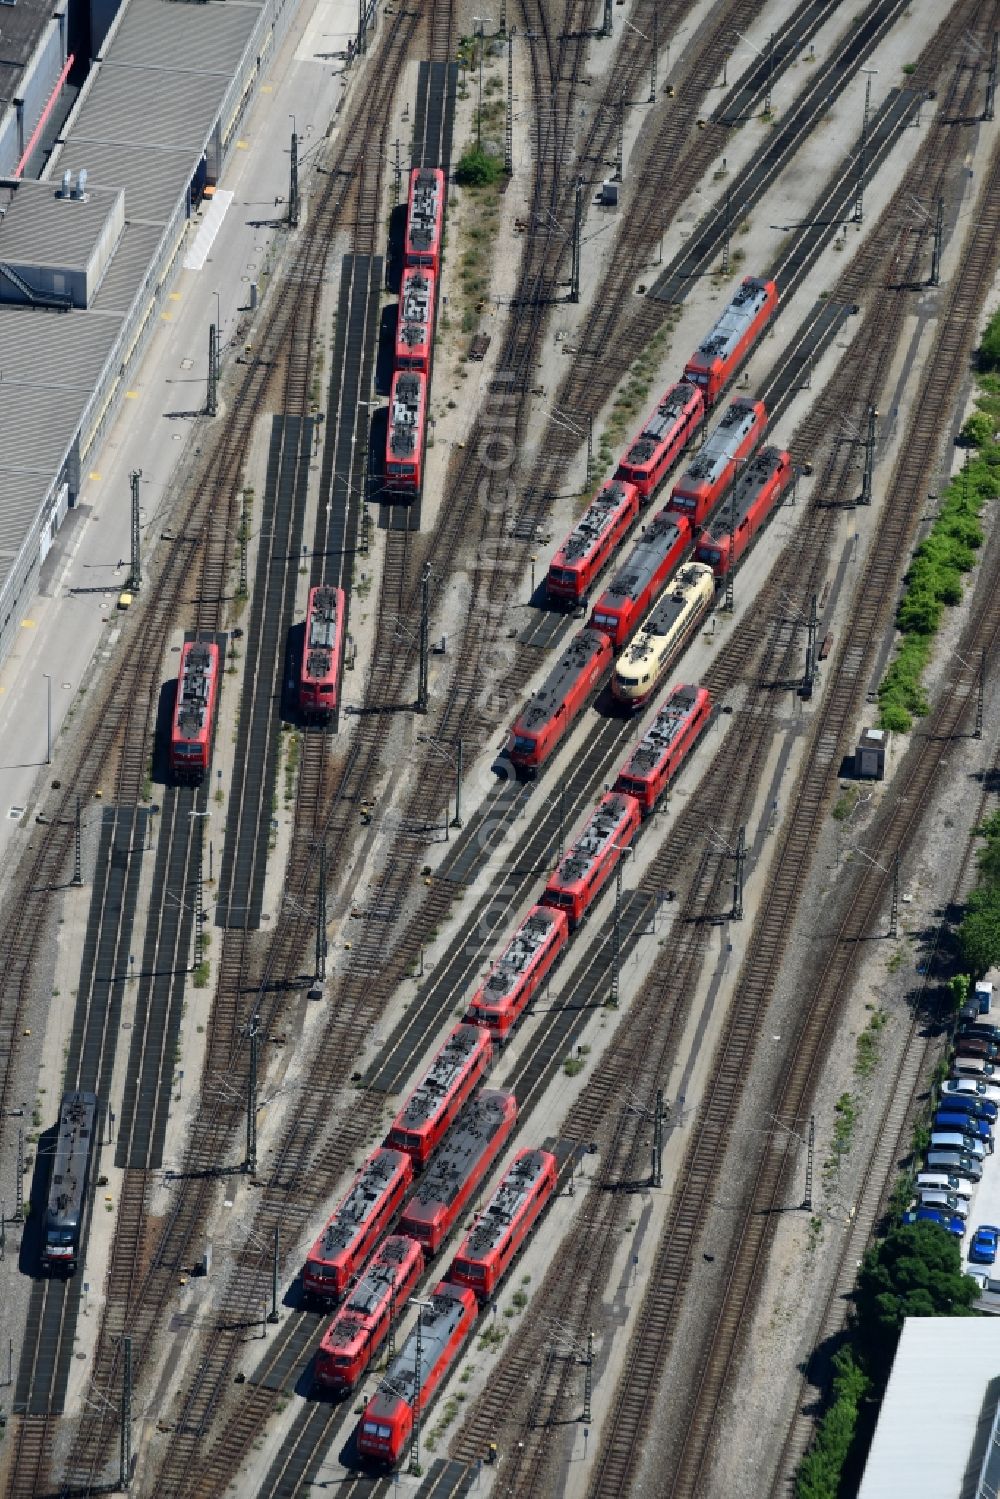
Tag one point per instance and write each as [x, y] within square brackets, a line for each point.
[353, 1228]
[663, 438]
[755, 494]
[421, 1123]
[581, 670]
[486, 1252]
[360, 1327]
[405, 436]
[387, 1424]
[415, 324]
[642, 577]
[194, 710]
[716, 358]
[424, 218]
[323, 649]
[468, 1152]
[529, 955]
[591, 542]
[702, 484]
[586, 867]
[665, 745]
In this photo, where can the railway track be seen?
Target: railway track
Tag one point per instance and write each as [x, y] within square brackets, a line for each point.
[484, 1426]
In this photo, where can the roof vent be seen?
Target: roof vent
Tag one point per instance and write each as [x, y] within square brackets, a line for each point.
[67, 184]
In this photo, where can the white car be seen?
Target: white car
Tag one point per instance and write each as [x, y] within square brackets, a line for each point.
[971, 1087]
[940, 1181]
[973, 1067]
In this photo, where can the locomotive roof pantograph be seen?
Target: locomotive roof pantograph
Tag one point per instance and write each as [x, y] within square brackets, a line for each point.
[659, 538]
[661, 422]
[462, 1147]
[424, 209]
[524, 946]
[195, 689]
[595, 521]
[663, 730]
[593, 841]
[764, 465]
[748, 303]
[582, 650]
[322, 635]
[356, 1208]
[507, 1202]
[737, 424]
[404, 419]
[449, 1064]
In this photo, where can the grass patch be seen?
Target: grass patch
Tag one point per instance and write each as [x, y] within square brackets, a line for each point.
[846, 803]
[934, 580]
[866, 1055]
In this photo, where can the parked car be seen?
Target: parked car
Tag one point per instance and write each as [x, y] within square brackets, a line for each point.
[978, 1129]
[971, 1087]
[979, 1108]
[983, 1247]
[982, 1028]
[976, 1046]
[957, 1140]
[944, 1202]
[954, 1226]
[964, 1066]
[940, 1181]
[957, 1162]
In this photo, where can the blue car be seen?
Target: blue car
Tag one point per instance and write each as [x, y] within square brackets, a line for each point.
[954, 1226]
[979, 1108]
[983, 1249]
[967, 1123]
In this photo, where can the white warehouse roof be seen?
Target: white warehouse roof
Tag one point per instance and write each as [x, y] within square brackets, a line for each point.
[937, 1434]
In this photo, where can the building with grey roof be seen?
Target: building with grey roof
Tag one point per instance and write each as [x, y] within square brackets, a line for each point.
[88, 256]
[33, 67]
[938, 1432]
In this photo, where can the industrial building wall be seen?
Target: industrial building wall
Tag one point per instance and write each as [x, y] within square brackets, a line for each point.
[39, 80]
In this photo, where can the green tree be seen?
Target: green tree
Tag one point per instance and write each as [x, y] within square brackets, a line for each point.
[822, 1467]
[959, 988]
[977, 429]
[979, 933]
[989, 349]
[916, 1271]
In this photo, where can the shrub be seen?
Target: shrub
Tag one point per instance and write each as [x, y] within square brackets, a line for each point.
[977, 430]
[820, 1473]
[478, 168]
